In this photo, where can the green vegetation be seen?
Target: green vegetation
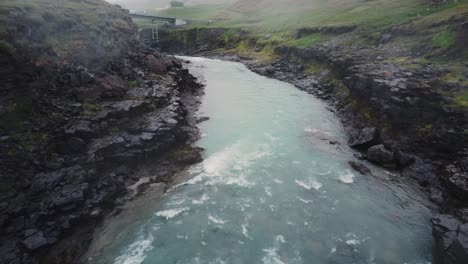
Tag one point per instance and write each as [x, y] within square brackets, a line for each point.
[135, 83]
[306, 41]
[422, 23]
[425, 130]
[461, 99]
[444, 39]
[27, 142]
[375, 14]
[88, 109]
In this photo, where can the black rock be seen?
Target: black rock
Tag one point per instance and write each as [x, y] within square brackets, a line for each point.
[421, 171]
[359, 156]
[81, 127]
[450, 240]
[403, 159]
[380, 155]
[86, 76]
[202, 119]
[366, 138]
[30, 232]
[35, 241]
[436, 195]
[75, 145]
[70, 194]
[361, 168]
[457, 182]
[462, 214]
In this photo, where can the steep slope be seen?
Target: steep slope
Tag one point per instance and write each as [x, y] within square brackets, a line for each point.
[85, 113]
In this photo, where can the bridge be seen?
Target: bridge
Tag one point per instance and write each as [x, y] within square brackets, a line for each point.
[155, 21]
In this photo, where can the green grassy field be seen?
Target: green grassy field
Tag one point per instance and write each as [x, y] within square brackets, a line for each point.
[367, 15]
[370, 17]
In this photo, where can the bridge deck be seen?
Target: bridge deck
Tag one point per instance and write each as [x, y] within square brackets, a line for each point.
[171, 20]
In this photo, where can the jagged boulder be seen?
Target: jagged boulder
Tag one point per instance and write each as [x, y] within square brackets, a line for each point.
[111, 86]
[35, 241]
[421, 171]
[361, 168]
[403, 159]
[155, 65]
[381, 155]
[456, 179]
[365, 138]
[450, 240]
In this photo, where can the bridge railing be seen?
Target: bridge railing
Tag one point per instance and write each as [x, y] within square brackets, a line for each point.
[154, 22]
[171, 20]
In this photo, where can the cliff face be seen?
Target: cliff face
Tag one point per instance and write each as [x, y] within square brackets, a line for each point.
[81, 31]
[85, 113]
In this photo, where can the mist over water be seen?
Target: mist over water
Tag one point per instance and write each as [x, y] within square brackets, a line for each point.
[272, 189]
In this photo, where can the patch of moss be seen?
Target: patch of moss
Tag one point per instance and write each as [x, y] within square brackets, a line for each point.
[444, 39]
[315, 68]
[135, 83]
[88, 109]
[307, 41]
[114, 130]
[425, 130]
[461, 99]
[27, 142]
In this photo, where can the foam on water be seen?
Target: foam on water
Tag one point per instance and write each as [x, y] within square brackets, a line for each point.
[309, 184]
[216, 220]
[353, 242]
[136, 252]
[245, 232]
[347, 177]
[303, 200]
[171, 213]
[217, 163]
[272, 256]
[271, 137]
[202, 199]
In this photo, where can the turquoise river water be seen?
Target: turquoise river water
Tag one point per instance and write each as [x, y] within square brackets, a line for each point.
[272, 189]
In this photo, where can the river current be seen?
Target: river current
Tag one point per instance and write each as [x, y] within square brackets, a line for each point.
[272, 189]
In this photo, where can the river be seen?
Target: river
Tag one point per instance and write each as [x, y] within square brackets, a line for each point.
[272, 189]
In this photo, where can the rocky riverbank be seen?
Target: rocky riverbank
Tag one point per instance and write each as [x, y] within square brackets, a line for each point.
[400, 116]
[81, 135]
[380, 116]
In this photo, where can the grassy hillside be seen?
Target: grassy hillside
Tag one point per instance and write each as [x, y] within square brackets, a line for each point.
[437, 27]
[283, 18]
[85, 30]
